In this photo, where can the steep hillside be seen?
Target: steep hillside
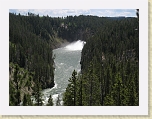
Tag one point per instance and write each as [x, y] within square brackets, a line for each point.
[109, 67]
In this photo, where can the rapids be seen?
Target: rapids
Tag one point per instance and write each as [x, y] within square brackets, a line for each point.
[67, 59]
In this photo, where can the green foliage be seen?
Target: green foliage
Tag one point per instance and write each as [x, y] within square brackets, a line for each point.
[27, 100]
[12, 93]
[30, 46]
[17, 85]
[109, 66]
[37, 92]
[113, 53]
[70, 94]
[109, 59]
[50, 101]
[58, 101]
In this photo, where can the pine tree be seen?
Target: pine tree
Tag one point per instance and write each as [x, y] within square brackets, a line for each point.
[69, 97]
[37, 92]
[24, 100]
[50, 101]
[27, 100]
[79, 91]
[58, 101]
[12, 93]
[17, 78]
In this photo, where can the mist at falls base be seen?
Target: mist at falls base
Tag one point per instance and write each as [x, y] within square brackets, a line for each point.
[67, 59]
[78, 45]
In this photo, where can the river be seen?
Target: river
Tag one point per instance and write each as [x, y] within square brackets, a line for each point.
[67, 59]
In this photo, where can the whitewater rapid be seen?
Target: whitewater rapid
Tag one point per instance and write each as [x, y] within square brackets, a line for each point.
[67, 59]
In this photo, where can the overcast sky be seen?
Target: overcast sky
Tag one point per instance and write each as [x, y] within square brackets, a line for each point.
[73, 12]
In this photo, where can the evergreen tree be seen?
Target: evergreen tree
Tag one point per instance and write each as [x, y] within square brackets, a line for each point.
[37, 93]
[70, 94]
[58, 101]
[27, 100]
[50, 101]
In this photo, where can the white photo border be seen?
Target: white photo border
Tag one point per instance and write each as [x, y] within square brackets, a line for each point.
[142, 109]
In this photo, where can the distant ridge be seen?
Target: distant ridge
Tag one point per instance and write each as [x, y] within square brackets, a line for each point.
[118, 17]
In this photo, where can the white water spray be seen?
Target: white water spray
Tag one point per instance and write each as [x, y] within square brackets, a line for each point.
[78, 45]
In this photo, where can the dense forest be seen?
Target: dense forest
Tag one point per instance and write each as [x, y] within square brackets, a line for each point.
[109, 59]
[109, 68]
